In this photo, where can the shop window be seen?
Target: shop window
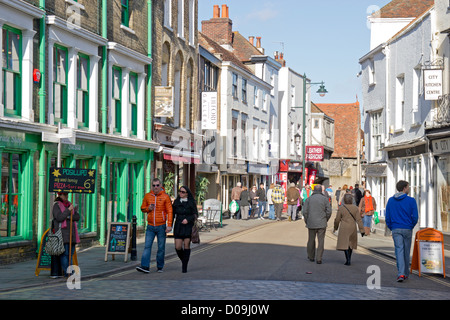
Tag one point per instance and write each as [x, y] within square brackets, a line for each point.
[83, 90]
[113, 190]
[84, 201]
[60, 83]
[11, 71]
[11, 165]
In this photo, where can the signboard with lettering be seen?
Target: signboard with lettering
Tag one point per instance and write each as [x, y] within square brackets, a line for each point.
[163, 101]
[209, 110]
[441, 146]
[118, 240]
[432, 83]
[72, 180]
[428, 253]
[314, 153]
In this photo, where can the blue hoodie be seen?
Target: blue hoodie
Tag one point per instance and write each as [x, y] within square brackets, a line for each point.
[401, 212]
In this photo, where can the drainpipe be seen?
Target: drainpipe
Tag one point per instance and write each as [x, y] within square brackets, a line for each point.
[42, 152]
[104, 177]
[149, 92]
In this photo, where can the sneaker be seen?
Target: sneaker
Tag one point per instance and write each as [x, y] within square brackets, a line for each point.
[160, 270]
[143, 269]
[401, 278]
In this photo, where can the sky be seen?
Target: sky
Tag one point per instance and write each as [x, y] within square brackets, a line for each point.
[324, 38]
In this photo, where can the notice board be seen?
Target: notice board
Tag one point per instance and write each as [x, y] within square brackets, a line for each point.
[118, 239]
[428, 254]
[71, 180]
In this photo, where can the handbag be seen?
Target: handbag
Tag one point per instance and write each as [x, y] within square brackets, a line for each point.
[55, 244]
[195, 235]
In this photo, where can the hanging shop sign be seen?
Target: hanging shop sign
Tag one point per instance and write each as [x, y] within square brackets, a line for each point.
[314, 153]
[164, 102]
[428, 253]
[72, 180]
[209, 110]
[432, 83]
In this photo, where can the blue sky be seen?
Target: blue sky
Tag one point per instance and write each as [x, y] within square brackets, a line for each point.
[323, 38]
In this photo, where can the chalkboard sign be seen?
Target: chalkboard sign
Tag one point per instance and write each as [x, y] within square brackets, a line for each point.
[71, 180]
[118, 239]
[44, 260]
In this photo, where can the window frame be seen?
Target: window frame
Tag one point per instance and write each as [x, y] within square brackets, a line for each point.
[125, 13]
[133, 106]
[85, 123]
[17, 100]
[64, 99]
[234, 86]
[117, 105]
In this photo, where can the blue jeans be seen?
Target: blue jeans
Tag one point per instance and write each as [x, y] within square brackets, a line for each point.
[271, 212]
[160, 233]
[262, 208]
[402, 243]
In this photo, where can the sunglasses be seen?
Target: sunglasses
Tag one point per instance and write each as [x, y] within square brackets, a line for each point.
[181, 191]
[156, 185]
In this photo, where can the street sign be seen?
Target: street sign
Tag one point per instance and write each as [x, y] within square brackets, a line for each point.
[72, 180]
[65, 135]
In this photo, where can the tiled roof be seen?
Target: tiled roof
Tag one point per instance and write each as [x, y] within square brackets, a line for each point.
[243, 49]
[346, 127]
[404, 9]
[225, 55]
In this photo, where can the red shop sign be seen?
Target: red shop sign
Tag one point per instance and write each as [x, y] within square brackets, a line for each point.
[314, 153]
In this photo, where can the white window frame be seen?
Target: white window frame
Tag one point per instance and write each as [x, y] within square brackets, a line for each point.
[400, 102]
[180, 19]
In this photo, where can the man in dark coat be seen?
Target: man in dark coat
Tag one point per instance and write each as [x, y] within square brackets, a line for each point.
[317, 212]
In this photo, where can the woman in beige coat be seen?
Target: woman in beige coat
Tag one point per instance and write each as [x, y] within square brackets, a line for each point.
[346, 219]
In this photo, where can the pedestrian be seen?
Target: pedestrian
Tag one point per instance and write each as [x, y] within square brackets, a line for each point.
[347, 217]
[253, 202]
[306, 192]
[342, 194]
[184, 213]
[278, 200]
[158, 207]
[401, 217]
[317, 212]
[235, 196]
[338, 193]
[299, 201]
[292, 196]
[270, 202]
[245, 203]
[358, 194]
[367, 207]
[62, 210]
[262, 201]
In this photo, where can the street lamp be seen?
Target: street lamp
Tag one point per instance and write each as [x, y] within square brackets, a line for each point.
[322, 92]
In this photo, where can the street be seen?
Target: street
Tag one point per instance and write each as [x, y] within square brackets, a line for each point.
[267, 262]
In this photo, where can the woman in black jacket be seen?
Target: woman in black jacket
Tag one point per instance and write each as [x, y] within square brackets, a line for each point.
[184, 213]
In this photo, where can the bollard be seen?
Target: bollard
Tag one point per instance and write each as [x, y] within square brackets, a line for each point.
[133, 241]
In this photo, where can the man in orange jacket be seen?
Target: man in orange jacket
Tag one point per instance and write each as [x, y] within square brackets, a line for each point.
[158, 206]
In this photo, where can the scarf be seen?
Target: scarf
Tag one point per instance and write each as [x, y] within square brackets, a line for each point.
[368, 203]
[62, 206]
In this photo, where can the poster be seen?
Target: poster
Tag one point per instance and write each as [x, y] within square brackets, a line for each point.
[431, 257]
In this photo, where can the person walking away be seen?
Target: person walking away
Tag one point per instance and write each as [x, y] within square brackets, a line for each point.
[278, 200]
[270, 202]
[347, 217]
[235, 196]
[158, 207]
[245, 203]
[342, 194]
[317, 212]
[184, 213]
[358, 194]
[61, 212]
[262, 201]
[367, 207]
[292, 196]
[401, 217]
[253, 202]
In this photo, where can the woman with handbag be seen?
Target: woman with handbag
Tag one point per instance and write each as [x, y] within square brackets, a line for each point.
[61, 213]
[347, 217]
[185, 214]
[367, 207]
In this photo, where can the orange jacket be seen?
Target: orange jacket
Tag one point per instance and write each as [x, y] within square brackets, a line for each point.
[162, 214]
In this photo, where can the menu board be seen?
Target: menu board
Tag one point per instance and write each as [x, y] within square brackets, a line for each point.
[118, 239]
[71, 180]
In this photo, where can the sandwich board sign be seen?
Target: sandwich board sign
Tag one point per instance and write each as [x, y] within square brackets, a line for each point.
[118, 240]
[428, 253]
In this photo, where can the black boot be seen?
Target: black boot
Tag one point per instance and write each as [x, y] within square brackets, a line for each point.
[180, 254]
[347, 257]
[187, 254]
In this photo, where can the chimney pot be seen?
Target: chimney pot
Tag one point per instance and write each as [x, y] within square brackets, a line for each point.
[216, 11]
[224, 11]
[251, 39]
[258, 42]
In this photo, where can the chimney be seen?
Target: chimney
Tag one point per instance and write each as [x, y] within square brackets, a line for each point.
[219, 28]
[216, 12]
[251, 39]
[258, 45]
[280, 58]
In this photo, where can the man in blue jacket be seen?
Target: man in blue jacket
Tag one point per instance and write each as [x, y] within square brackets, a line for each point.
[401, 217]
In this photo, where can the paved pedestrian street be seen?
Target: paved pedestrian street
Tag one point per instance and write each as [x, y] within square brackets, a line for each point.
[263, 263]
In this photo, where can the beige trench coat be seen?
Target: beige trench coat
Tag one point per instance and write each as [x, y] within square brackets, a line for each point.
[347, 237]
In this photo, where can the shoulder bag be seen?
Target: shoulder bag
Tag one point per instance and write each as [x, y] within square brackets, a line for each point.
[195, 235]
[55, 244]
